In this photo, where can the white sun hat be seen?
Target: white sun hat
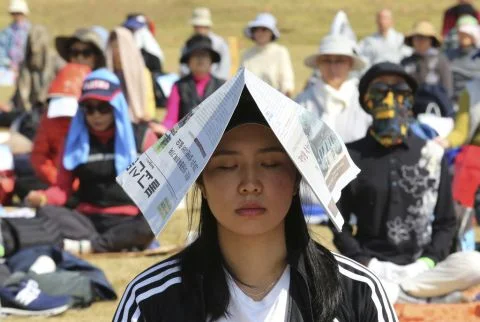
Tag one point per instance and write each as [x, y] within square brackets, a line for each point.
[18, 6]
[336, 45]
[201, 17]
[265, 20]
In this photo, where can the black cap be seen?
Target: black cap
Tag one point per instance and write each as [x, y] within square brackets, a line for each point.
[381, 69]
[247, 111]
[199, 42]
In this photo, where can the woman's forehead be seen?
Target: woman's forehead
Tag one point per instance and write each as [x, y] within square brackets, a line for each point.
[248, 136]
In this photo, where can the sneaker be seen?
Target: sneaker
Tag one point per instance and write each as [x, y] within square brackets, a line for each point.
[77, 247]
[27, 299]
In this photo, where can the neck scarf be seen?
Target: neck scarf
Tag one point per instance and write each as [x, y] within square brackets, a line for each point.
[77, 145]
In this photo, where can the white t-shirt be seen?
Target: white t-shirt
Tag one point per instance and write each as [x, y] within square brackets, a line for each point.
[272, 308]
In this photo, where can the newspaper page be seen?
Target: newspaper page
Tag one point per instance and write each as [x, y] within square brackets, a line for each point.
[335, 163]
[317, 151]
[159, 179]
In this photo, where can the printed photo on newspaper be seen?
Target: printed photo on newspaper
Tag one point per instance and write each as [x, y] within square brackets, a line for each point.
[159, 179]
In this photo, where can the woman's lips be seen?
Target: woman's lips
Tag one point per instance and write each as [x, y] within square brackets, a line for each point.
[250, 211]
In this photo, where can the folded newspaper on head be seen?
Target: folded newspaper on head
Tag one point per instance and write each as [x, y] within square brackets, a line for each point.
[159, 179]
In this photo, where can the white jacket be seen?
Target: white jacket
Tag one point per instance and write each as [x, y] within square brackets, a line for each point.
[339, 109]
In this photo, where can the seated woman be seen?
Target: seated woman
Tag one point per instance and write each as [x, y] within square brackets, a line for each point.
[47, 148]
[101, 143]
[427, 64]
[465, 66]
[268, 60]
[333, 97]
[125, 60]
[84, 47]
[192, 89]
[254, 259]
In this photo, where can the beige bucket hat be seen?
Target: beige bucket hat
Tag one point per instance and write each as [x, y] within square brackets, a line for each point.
[201, 17]
[426, 29]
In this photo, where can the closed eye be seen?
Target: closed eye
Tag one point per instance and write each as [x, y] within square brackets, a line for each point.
[224, 167]
[270, 165]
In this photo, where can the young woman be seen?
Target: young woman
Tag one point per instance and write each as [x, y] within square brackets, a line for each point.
[254, 259]
[101, 143]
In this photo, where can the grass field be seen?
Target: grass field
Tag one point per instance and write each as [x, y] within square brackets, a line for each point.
[302, 23]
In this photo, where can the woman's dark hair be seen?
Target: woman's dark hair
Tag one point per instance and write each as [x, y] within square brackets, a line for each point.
[204, 258]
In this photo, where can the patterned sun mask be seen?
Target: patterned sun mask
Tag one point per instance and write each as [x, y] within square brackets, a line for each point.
[390, 107]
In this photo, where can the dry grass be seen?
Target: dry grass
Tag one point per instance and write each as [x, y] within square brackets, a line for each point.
[302, 24]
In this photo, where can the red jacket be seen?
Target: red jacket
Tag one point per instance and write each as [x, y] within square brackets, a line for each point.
[48, 147]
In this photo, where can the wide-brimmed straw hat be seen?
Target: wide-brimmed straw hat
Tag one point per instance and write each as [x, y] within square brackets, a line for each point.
[336, 45]
[265, 20]
[63, 43]
[199, 42]
[201, 17]
[425, 29]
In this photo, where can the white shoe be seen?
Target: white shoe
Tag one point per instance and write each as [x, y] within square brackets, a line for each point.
[77, 246]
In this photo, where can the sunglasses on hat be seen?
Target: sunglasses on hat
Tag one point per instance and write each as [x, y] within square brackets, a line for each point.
[102, 108]
[83, 52]
[380, 90]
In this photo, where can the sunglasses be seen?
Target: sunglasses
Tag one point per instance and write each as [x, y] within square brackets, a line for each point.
[83, 52]
[380, 90]
[102, 108]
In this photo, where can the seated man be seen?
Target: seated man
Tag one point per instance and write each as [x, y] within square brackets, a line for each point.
[402, 200]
